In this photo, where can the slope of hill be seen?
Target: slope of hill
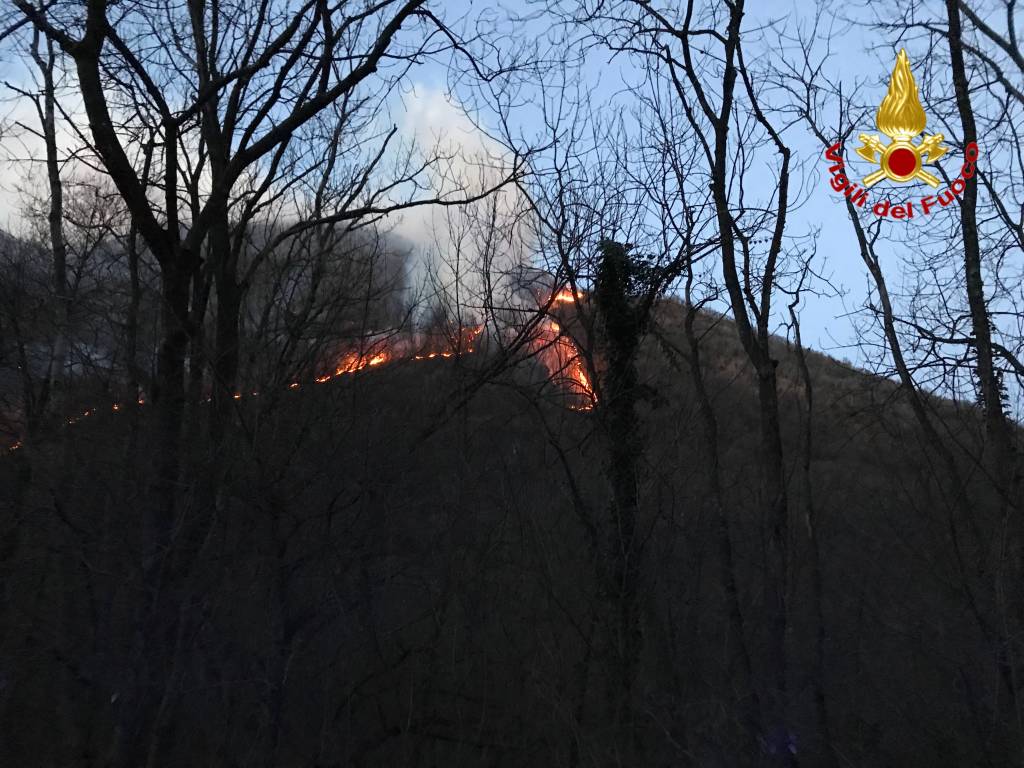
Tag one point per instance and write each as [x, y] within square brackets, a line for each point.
[377, 578]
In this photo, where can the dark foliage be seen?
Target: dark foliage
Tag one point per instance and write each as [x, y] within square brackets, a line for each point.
[355, 593]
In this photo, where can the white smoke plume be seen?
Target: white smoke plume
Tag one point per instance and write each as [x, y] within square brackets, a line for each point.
[464, 258]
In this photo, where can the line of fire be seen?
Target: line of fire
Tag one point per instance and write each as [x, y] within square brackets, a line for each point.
[543, 332]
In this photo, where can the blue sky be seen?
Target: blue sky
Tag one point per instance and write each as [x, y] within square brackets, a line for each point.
[861, 56]
[827, 325]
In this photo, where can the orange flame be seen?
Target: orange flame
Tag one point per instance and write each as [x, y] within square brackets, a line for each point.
[387, 351]
[560, 355]
[555, 349]
[356, 361]
[566, 296]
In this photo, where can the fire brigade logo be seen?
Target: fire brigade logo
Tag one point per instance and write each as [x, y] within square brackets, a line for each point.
[901, 117]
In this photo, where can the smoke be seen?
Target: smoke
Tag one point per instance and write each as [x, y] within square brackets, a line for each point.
[462, 258]
[23, 151]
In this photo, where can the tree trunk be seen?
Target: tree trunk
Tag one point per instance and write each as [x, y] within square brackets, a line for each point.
[827, 755]
[55, 219]
[740, 668]
[229, 306]
[996, 425]
[970, 562]
[999, 435]
[197, 351]
[755, 343]
[157, 618]
[619, 396]
[776, 499]
[132, 319]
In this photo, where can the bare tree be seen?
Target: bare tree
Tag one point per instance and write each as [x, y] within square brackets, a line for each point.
[248, 103]
[814, 95]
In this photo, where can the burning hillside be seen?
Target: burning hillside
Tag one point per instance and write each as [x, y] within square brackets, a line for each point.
[544, 338]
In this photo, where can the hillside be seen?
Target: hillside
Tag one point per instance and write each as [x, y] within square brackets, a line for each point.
[375, 577]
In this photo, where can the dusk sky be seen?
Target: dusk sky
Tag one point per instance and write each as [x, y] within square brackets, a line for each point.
[425, 108]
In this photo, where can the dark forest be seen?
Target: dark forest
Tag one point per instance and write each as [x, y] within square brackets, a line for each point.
[346, 421]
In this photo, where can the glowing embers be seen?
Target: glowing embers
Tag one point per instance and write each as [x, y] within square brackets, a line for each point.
[555, 349]
[393, 349]
[449, 343]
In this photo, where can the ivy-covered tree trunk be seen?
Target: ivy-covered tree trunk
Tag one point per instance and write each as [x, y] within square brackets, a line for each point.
[621, 335]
